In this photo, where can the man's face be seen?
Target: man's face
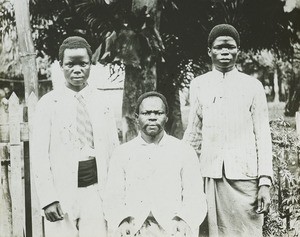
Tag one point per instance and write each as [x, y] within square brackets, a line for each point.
[152, 116]
[223, 53]
[76, 68]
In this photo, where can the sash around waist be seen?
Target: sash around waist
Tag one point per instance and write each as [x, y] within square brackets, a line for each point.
[87, 173]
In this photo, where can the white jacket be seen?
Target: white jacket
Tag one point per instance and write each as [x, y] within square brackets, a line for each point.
[229, 125]
[54, 152]
[163, 179]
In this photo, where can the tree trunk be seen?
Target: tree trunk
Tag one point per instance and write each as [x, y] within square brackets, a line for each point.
[26, 47]
[30, 75]
[174, 125]
[141, 80]
[138, 80]
[166, 86]
[293, 100]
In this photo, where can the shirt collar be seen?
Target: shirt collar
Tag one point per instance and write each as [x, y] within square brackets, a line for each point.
[162, 142]
[226, 74]
[84, 92]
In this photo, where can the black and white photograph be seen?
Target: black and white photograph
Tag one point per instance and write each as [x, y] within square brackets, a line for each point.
[150, 118]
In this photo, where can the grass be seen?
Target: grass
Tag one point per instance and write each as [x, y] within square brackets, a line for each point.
[276, 110]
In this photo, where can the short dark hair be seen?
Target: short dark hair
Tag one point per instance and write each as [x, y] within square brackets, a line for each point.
[223, 30]
[151, 94]
[74, 42]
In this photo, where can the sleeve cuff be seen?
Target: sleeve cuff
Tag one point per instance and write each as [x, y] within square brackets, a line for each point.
[49, 204]
[264, 181]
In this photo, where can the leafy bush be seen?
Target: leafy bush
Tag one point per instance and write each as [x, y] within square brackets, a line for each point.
[284, 217]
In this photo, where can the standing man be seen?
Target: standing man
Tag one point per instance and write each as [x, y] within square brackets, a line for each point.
[154, 186]
[73, 136]
[228, 125]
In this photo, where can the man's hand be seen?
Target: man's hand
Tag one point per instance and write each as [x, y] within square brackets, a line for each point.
[180, 228]
[263, 199]
[126, 227]
[53, 212]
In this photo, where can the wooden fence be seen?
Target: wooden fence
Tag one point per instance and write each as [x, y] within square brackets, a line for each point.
[19, 206]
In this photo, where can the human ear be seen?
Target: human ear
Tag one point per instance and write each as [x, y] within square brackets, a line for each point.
[209, 51]
[136, 120]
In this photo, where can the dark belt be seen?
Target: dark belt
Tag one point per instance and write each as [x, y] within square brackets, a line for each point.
[87, 173]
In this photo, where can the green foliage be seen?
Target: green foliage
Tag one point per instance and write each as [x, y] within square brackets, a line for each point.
[184, 27]
[273, 225]
[51, 21]
[10, 65]
[189, 70]
[250, 61]
[284, 216]
[9, 59]
[7, 16]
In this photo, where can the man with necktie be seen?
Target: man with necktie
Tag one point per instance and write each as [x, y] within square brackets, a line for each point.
[73, 136]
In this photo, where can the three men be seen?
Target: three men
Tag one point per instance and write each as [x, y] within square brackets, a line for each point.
[228, 125]
[73, 136]
[154, 186]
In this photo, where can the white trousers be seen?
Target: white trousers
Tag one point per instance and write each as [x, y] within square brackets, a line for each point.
[88, 220]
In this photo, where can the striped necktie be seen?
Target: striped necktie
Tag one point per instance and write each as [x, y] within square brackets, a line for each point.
[84, 126]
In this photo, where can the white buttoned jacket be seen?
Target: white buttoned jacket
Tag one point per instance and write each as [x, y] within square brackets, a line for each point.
[54, 150]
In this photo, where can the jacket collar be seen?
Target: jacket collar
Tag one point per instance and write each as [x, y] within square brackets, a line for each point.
[229, 74]
[164, 140]
[85, 92]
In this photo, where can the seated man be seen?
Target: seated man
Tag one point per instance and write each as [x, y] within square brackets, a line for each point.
[154, 185]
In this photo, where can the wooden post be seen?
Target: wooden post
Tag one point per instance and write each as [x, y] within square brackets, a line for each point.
[27, 183]
[26, 47]
[16, 164]
[37, 224]
[30, 73]
[5, 198]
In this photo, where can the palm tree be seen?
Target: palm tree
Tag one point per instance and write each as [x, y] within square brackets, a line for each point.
[156, 42]
[131, 37]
